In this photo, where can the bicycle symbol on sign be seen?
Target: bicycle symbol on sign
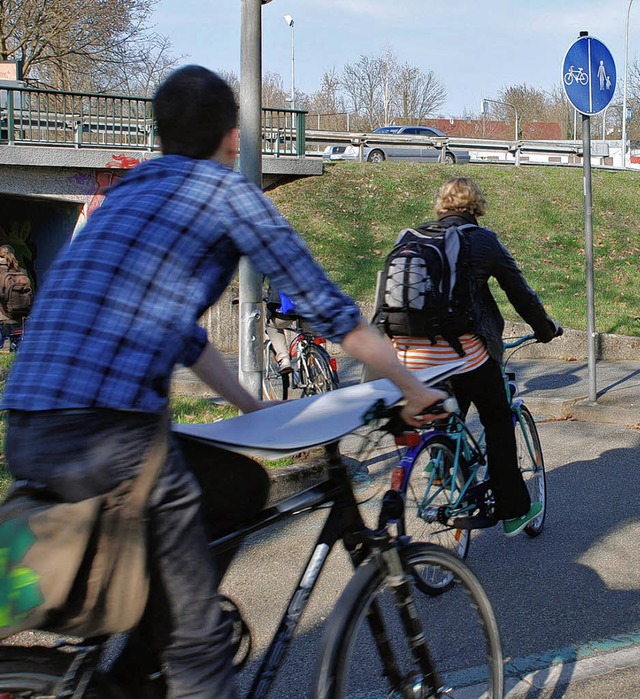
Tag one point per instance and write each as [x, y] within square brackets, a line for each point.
[579, 76]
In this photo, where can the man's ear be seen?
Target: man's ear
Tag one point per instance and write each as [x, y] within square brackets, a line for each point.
[227, 152]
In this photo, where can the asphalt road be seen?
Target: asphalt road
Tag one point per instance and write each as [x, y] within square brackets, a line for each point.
[572, 594]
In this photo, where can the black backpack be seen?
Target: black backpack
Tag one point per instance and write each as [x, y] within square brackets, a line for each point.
[427, 288]
[16, 293]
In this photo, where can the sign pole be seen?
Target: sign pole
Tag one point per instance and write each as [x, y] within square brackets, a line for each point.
[588, 254]
[589, 81]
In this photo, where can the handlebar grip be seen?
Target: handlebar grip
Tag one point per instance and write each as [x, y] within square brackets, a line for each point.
[440, 407]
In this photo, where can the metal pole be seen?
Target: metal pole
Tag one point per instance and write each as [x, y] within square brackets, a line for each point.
[624, 92]
[293, 72]
[251, 326]
[588, 252]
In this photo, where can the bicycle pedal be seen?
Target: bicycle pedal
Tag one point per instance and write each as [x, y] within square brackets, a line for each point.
[479, 521]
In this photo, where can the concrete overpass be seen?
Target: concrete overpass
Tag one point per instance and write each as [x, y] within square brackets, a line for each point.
[47, 192]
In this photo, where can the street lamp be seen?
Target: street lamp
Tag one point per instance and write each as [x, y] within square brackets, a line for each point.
[289, 20]
[624, 92]
[506, 104]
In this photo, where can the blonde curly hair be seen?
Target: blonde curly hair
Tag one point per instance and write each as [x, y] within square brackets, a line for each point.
[460, 194]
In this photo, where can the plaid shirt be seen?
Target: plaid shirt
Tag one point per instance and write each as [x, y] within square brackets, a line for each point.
[119, 307]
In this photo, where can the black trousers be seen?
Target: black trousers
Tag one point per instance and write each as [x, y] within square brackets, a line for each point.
[484, 387]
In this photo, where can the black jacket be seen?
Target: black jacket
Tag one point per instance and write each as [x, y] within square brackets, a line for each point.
[490, 258]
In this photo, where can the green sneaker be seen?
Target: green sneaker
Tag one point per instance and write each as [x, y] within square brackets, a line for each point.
[517, 524]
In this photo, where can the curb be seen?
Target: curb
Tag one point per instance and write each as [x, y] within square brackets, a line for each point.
[582, 410]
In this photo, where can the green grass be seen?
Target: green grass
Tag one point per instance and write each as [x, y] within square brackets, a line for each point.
[351, 216]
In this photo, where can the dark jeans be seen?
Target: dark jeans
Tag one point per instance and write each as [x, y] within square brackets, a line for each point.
[484, 387]
[78, 454]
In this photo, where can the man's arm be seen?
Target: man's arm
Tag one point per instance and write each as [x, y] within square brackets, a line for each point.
[213, 370]
[367, 345]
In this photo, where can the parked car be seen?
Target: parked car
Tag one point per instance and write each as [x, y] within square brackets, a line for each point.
[333, 152]
[378, 152]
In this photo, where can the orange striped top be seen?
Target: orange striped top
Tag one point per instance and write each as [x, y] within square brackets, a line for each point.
[419, 353]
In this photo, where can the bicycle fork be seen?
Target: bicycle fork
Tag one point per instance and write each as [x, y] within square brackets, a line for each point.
[416, 686]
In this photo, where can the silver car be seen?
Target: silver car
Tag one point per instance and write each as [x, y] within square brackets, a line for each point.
[378, 152]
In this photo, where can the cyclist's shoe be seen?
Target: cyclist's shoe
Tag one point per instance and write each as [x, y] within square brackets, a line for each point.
[241, 643]
[517, 524]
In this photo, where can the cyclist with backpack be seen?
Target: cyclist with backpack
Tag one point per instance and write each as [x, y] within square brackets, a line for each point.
[435, 304]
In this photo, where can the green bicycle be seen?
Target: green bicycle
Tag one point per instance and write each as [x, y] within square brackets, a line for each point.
[443, 476]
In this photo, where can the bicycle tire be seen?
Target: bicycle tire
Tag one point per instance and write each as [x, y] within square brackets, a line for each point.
[318, 376]
[275, 386]
[466, 655]
[531, 464]
[439, 453]
[36, 673]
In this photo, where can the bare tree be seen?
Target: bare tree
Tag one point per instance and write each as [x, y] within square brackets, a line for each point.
[75, 44]
[378, 90]
[418, 94]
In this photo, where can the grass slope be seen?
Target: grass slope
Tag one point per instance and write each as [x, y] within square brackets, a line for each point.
[351, 216]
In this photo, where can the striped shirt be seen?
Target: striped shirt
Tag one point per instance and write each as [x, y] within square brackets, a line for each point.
[120, 306]
[419, 353]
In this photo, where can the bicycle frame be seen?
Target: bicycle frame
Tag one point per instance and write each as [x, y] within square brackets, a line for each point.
[467, 449]
[345, 524]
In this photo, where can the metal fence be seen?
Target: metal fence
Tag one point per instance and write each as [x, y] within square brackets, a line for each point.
[87, 120]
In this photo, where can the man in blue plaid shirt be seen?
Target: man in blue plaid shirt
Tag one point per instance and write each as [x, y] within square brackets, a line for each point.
[119, 309]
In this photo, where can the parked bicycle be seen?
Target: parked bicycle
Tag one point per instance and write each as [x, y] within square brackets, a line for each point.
[385, 637]
[313, 369]
[443, 476]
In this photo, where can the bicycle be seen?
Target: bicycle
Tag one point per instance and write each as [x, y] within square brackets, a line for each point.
[384, 634]
[443, 477]
[313, 369]
[579, 76]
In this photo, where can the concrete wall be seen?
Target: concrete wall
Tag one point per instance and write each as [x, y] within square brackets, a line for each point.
[221, 323]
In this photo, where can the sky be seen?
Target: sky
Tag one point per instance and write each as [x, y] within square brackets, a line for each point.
[475, 48]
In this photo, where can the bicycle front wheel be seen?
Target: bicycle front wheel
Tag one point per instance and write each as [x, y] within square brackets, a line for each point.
[531, 464]
[318, 376]
[430, 487]
[366, 652]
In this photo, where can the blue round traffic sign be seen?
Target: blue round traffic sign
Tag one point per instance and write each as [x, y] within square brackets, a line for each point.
[589, 75]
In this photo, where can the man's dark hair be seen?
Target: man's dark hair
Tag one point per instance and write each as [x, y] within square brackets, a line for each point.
[194, 110]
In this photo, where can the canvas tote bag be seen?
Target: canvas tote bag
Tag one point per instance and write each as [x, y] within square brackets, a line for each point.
[77, 568]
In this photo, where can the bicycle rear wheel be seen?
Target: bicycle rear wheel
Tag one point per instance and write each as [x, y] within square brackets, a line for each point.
[318, 376]
[275, 386]
[460, 629]
[37, 673]
[434, 464]
[531, 464]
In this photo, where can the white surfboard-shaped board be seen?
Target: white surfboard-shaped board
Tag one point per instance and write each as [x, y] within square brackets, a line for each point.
[297, 425]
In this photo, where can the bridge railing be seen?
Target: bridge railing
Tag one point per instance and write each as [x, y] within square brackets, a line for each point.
[88, 120]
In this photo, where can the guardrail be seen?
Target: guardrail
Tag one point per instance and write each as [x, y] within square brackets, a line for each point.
[88, 120]
[480, 148]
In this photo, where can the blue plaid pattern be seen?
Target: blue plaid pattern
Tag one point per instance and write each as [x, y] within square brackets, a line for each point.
[119, 307]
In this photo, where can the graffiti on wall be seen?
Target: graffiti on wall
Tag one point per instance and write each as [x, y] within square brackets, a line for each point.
[96, 184]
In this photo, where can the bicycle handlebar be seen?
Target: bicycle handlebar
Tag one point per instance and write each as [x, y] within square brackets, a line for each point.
[531, 336]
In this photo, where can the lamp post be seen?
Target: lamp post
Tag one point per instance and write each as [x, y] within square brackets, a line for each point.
[517, 126]
[289, 20]
[624, 92]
